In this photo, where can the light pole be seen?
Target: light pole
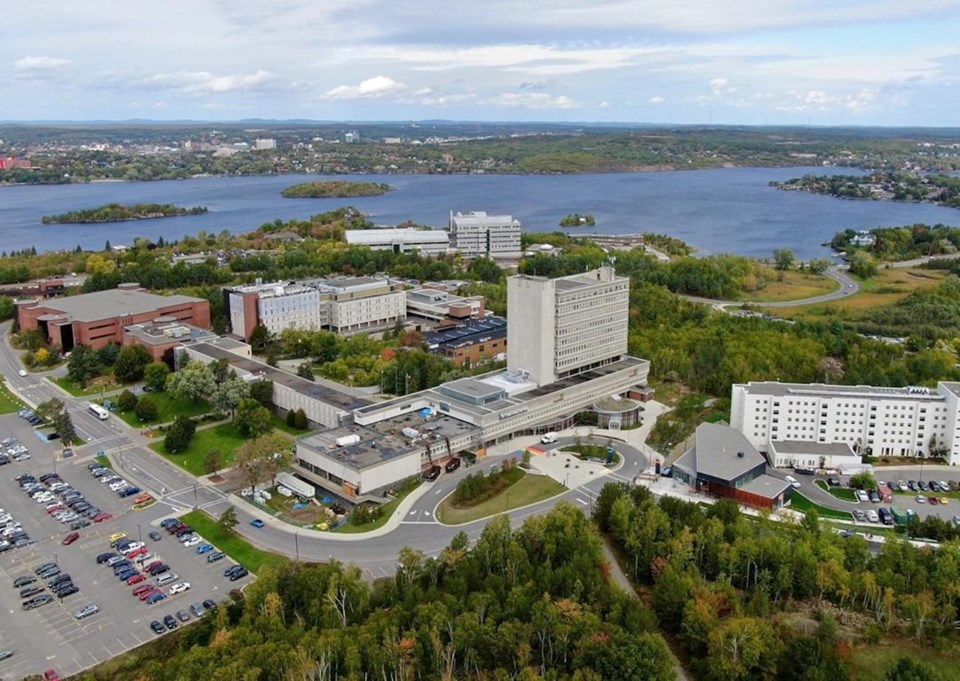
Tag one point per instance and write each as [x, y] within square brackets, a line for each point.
[296, 544]
[54, 457]
[139, 534]
[195, 503]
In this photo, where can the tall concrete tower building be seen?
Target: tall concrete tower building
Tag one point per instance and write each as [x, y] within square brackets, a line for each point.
[561, 327]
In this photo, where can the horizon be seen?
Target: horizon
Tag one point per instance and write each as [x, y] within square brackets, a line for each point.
[872, 63]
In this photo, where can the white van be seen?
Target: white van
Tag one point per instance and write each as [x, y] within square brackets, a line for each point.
[548, 438]
[793, 481]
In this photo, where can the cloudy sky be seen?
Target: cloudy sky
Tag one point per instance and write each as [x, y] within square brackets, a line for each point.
[860, 62]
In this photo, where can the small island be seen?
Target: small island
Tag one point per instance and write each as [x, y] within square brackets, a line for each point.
[334, 189]
[577, 220]
[115, 212]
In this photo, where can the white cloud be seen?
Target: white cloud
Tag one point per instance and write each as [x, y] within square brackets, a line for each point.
[657, 100]
[205, 83]
[371, 88]
[39, 67]
[534, 100]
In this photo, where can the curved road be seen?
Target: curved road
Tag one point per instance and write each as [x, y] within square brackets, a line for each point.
[847, 288]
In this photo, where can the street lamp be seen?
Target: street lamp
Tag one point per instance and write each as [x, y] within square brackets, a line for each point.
[195, 503]
[296, 544]
[139, 534]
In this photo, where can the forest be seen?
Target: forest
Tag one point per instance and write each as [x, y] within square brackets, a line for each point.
[746, 597]
[942, 190]
[521, 604]
[115, 212]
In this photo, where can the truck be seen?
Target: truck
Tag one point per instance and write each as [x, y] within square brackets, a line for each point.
[901, 517]
[548, 438]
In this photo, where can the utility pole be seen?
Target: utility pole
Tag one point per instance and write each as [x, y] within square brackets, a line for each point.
[296, 543]
[195, 504]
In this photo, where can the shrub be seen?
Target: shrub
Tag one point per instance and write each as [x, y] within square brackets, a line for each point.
[146, 410]
[127, 401]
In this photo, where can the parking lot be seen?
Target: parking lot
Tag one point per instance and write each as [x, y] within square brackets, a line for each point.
[50, 636]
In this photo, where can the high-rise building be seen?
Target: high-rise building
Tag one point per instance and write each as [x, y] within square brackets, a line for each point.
[477, 234]
[561, 327]
[265, 144]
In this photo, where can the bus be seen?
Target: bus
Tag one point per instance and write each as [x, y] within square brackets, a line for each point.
[99, 412]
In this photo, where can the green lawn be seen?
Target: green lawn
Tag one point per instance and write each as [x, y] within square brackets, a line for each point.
[168, 408]
[801, 503]
[95, 387]
[8, 403]
[103, 460]
[839, 492]
[231, 543]
[872, 662]
[226, 437]
[387, 511]
[528, 489]
[280, 424]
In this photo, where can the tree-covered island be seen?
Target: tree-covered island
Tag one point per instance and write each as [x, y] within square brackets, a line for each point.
[115, 212]
[334, 189]
[942, 190]
[577, 220]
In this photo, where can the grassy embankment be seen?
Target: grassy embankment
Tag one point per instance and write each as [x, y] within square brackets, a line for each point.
[524, 490]
[801, 503]
[793, 286]
[225, 437]
[839, 492]
[231, 543]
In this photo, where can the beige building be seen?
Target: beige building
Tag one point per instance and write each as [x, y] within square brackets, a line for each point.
[565, 326]
[477, 234]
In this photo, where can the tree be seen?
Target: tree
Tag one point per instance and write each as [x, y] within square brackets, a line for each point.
[253, 457]
[155, 375]
[179, 435]
[130, 363]
[300, 422]
[742, 648]
[83, 364]
[253, 418]
[260, 339]
[910, 669]
[127, 401]
[191, 382]
[212, 461]
[107, 355]
[305, 370]
[262, 392]
[625, 657]
[146, 410]
[783, 259]
[228, 394]
[819, 265]
[863, 265]
[228, 519]
[863, 481]
[55, 412]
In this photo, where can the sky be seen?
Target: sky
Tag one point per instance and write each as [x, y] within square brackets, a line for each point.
[751, 62]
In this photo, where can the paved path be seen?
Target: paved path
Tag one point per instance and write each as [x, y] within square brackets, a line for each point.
[848, 287]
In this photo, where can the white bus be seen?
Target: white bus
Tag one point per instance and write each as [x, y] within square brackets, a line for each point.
[99, 412]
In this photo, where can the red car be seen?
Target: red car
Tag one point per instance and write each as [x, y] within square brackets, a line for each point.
[135, 579]
[136, 553]
[51, 675]
[102, 517]
[154, 564]
[56, 509]
[70, 538]
[143, 587]
[149, 592]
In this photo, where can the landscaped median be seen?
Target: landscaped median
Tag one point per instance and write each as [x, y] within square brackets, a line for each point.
[495, 493]
[231, 543]
[798, 502]
[842, 493]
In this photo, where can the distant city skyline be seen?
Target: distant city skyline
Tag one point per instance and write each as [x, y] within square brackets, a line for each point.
[856, 62]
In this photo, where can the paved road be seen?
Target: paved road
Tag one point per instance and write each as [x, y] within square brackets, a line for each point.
[847, 288]
[916, 262]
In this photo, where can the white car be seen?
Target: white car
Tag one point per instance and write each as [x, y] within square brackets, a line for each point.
[22, 372]
[873, 517]
[921, 499]
[131, 548]
[793, 481]
[179, 587]
[193, 541]
[118, 485]
[862, 495]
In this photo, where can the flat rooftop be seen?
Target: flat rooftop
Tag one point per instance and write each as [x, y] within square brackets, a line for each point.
[363, 237]
[822, 448]
[766, 486]
[469, 330]
[162, 333]
[90, 307]
[573, 381]
[776, 389]
[325, 393]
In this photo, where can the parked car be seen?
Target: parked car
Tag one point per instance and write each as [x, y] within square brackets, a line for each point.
[204, 548]
[256, 522]
[157, 627]
[238, 574]
[70, 538]
[143, 588]
[155, 597]
[23, 581]
[155, 536]
[197, 610]
[215, 556]
[170, 622]
[210, 604]
[167, 579]
[179, 587]
[183, 615]
[87, 611]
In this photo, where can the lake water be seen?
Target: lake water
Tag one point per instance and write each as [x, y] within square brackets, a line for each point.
[725, 210]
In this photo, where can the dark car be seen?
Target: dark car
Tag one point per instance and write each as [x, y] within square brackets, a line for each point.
[230, 570]
[32, 590]
[210, 604]
[37, 601]
[155, 536]
[432, 474]
[452, 465]
[874, 497]
[50, 572]
[128, 491]
[185, 529]
[126, 574]
[43, 568]
[924, 487]
[170, 621]
[167, 522]
[912, 485]
[67, 590]
[23, 581]
[79, 524]
[159, 570]
[215, 556]
[183, 615]
[59, 579]
[70, 538]
[238, 574]
[157, 627]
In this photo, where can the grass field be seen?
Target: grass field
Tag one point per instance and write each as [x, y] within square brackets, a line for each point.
[528, 489]
[231, 543]
[8, 403]
[94, 387]
[168, 408]
[801, 503]
[388, 509]
[839, 492]
[226, 437]
[888, 286]
[872, 662]
[795, 286]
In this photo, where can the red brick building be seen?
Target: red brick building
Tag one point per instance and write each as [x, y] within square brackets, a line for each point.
[96, 319]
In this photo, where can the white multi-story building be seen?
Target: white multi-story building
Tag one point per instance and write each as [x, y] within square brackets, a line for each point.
[265, 144]
[870, 420]
[401, 240]
[344, 305]
[477, 234]
[561, 327]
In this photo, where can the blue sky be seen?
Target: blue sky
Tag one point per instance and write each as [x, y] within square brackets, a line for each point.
[837, 62]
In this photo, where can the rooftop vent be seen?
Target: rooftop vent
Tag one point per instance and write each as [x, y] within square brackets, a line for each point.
[741, 455]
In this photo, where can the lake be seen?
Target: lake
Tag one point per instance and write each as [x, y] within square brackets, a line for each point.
[728, 210]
